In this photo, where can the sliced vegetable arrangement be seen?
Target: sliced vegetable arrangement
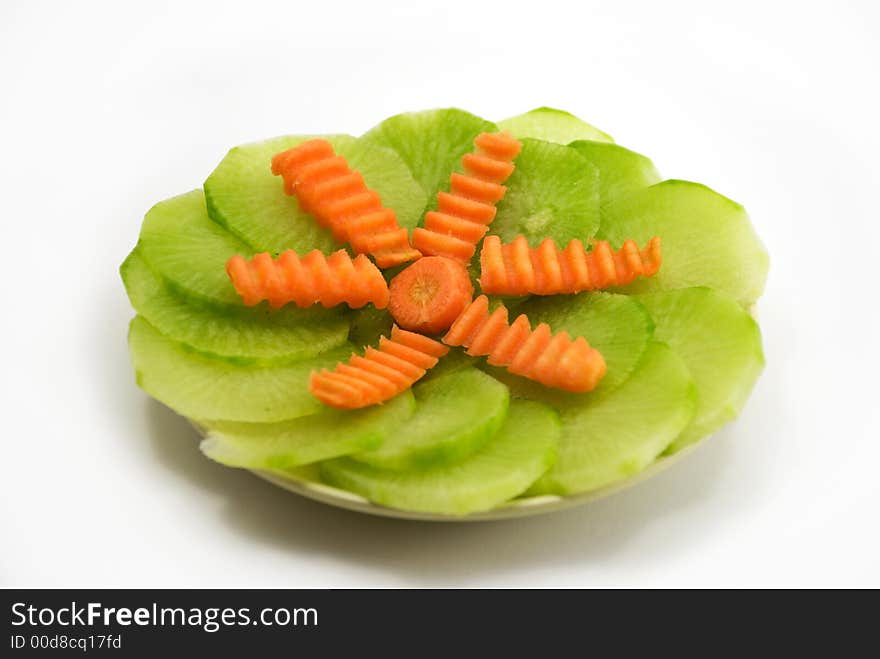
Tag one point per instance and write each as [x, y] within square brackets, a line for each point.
[245, 295]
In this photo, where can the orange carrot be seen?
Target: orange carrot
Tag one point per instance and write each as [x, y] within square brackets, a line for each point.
[341, 201]
[553, 360]
[430, 294]
[379, 374]
[517, 269]
[308, 280]
[463, 215]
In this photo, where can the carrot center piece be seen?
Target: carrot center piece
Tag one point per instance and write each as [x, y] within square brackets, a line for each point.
[430, 294]
[424, 291]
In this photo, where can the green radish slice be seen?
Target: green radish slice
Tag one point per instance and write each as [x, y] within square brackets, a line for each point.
[721, 345]
[180, 242]
[308, 439]
[616, 325]
[368, 324]
[245, 197]
[552, 193]
[431, 143]
[522, 449]
[457, 414]
[620, 170]
[552, 125]
[243, 335]
[455, 360]
[199, 387]
[708, 240]
[621, 434]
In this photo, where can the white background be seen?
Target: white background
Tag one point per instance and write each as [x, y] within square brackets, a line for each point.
[107, 108]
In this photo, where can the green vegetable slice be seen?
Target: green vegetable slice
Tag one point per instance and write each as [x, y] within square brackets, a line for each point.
[721, 345]
[620, 170]
[552, 193]
[199, 387]
[306, 440]
[431, 143]
[522, 450]
[625, 431]
[457, 413]
[257, 335]
[181, 243]
[708, 240]
[552, 125]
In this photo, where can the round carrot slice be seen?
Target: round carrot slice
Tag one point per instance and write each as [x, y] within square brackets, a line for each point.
[430, 294]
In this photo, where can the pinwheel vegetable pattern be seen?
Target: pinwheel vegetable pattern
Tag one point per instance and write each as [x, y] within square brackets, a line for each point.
[433, 293]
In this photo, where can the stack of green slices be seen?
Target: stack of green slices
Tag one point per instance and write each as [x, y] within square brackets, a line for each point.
[682, 349]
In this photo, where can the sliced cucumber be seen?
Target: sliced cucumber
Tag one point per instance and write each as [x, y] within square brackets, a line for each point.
[721, 346]
[457, 413]
[552, 125]
[242, 335]
[624, 432]
[200, 387]
[245, 197]
[708, 240]
[620, 170]
[616, 325]
[180, 242]
[308, 439]
[431, 143]
[522, 450]
[552, 193]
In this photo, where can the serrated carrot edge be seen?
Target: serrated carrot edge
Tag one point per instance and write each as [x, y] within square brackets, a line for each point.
[380, 374]
[312, 279]
[340, 200]
[517, 269]
[464, 213]
[553, 360]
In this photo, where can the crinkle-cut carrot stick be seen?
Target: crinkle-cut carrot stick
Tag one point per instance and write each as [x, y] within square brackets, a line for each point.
[464, 213]
[555, 360]
[379, 374]
[517, 269]
[341, 201]
[430, 294]
[314, 278]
